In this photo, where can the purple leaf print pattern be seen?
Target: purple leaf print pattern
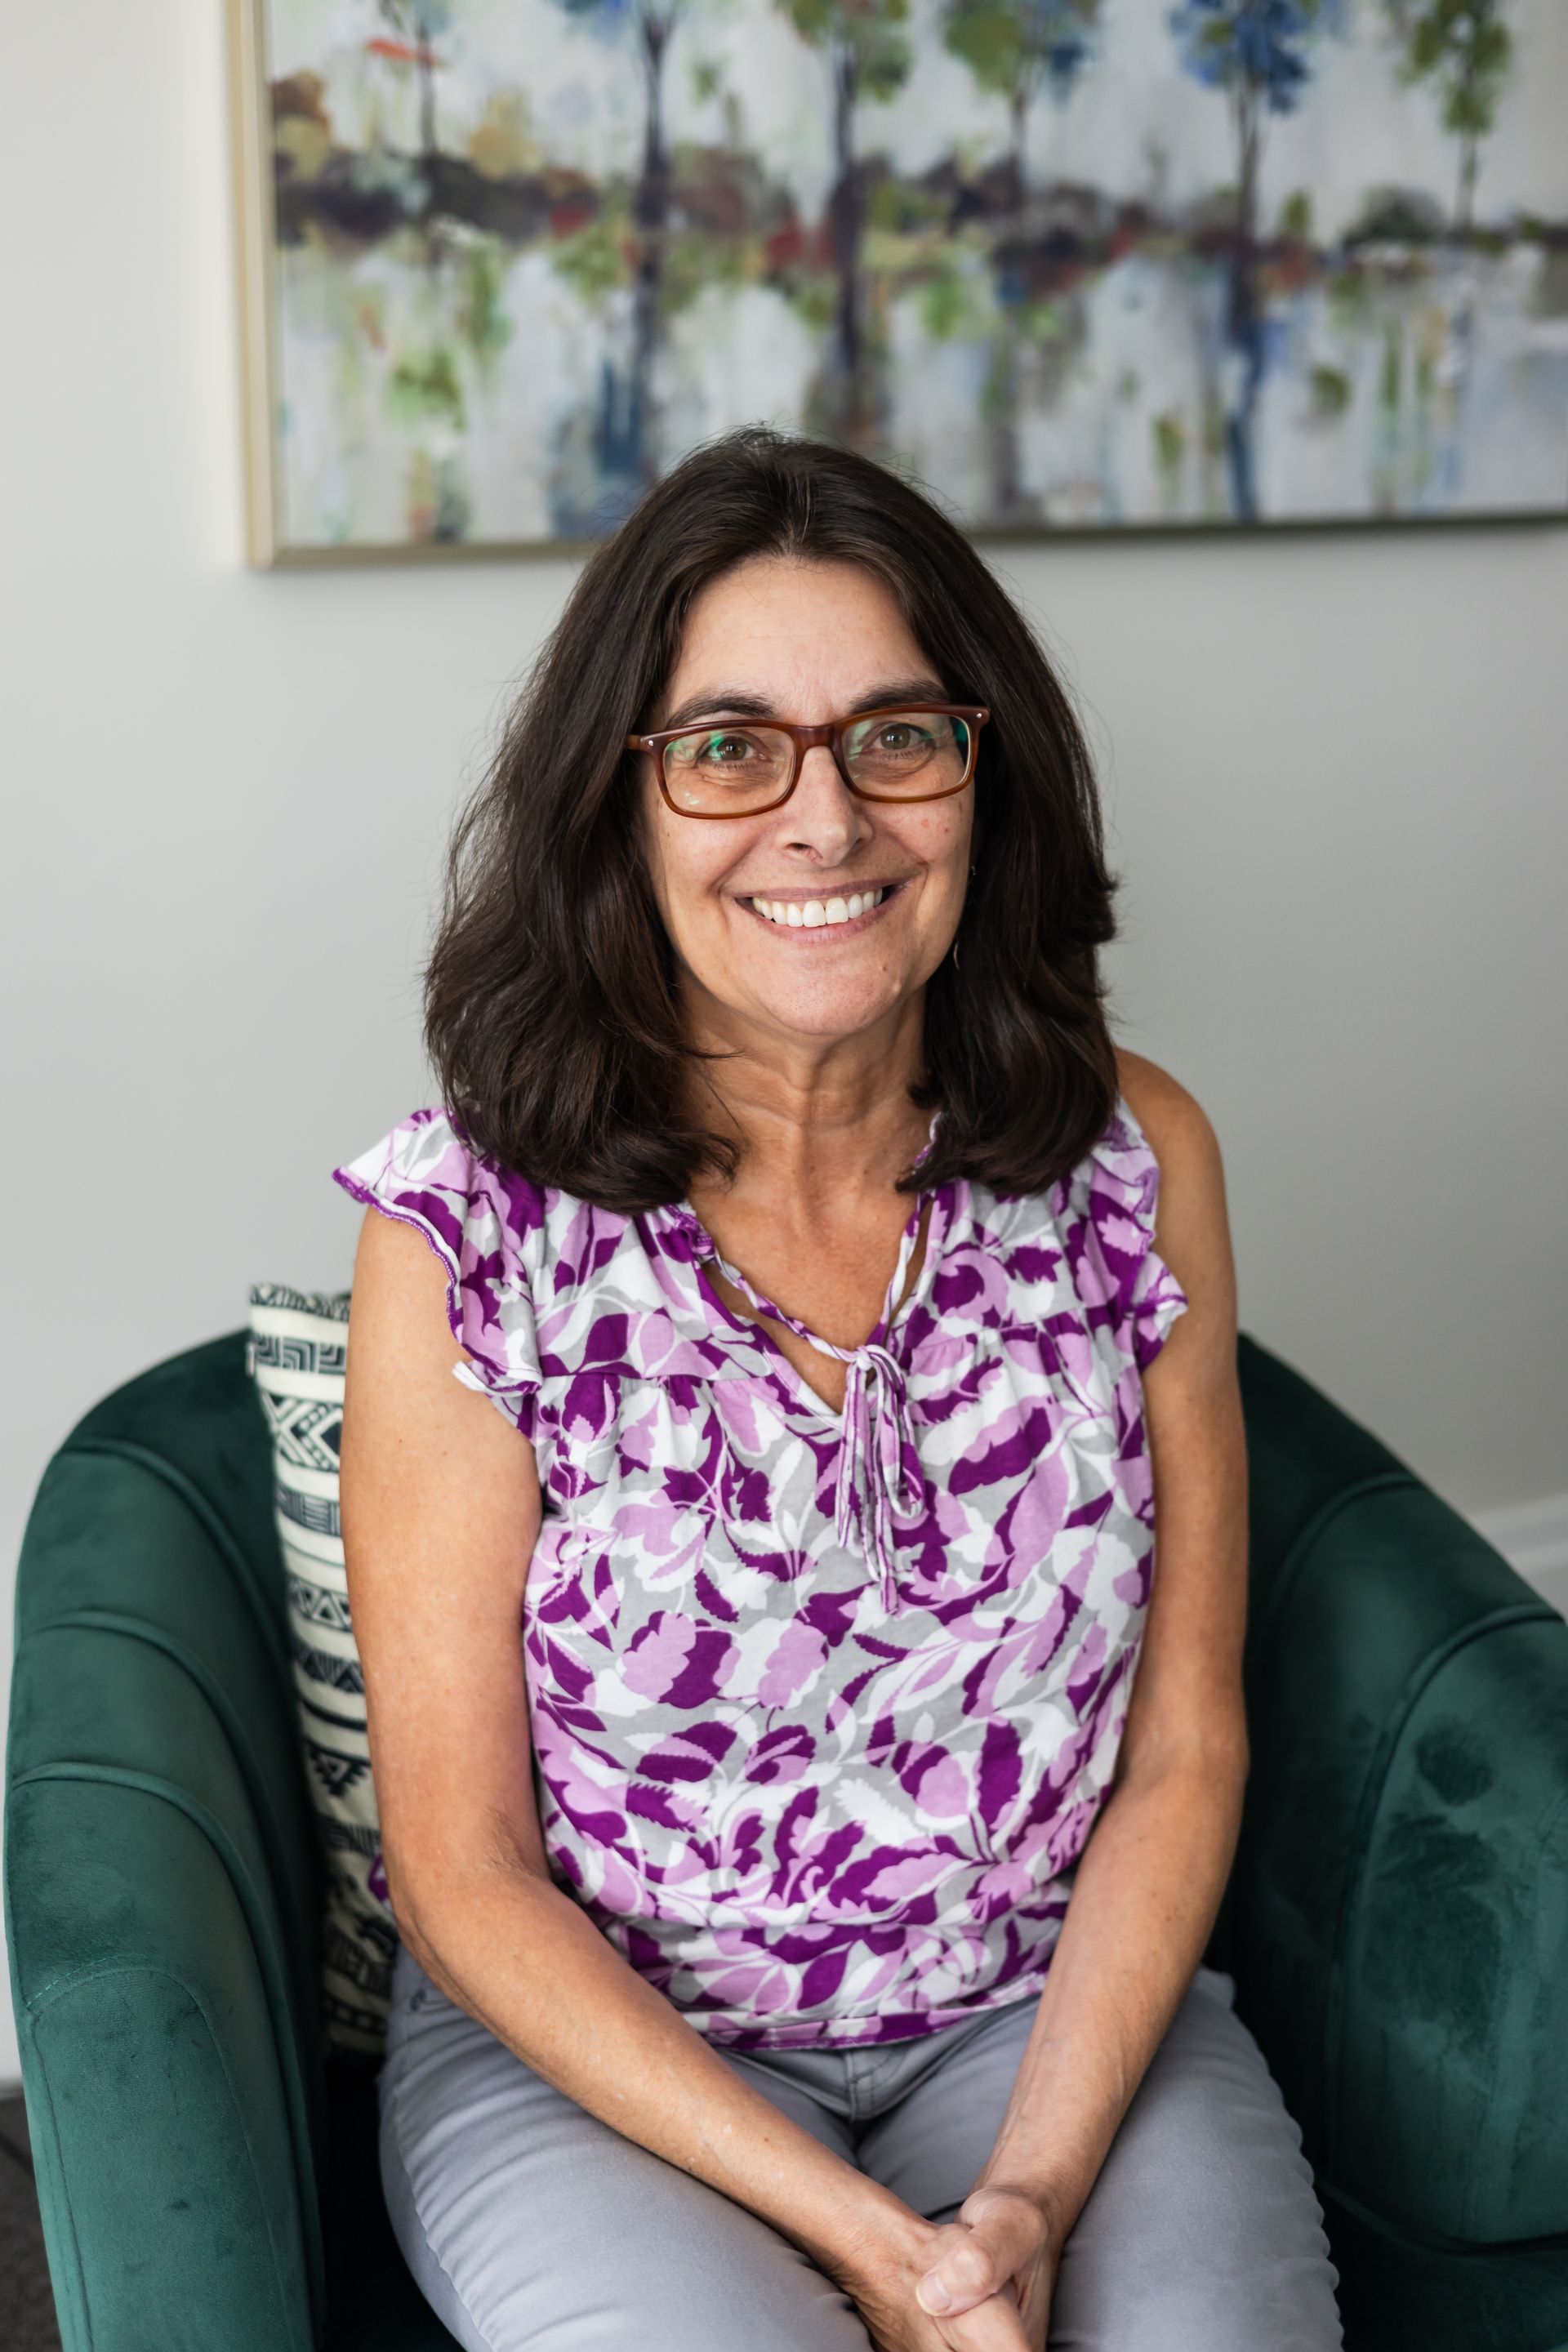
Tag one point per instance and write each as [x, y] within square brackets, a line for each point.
[823, 1707]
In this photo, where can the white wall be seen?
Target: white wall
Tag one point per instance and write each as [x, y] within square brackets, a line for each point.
[1333, 764]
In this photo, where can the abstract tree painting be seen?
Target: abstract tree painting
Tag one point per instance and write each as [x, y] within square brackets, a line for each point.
[1077, 264]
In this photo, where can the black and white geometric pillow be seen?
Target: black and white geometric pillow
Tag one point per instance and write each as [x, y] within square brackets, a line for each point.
[297, 1357]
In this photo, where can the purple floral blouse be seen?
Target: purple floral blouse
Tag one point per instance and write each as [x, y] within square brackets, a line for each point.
[823, 1704]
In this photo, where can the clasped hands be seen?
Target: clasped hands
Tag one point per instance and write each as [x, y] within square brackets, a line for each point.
[982, 2283]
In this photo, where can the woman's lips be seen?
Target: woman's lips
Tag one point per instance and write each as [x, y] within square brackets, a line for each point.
[821, 915]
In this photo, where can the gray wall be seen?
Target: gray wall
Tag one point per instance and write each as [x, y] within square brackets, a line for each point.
[1334, 766]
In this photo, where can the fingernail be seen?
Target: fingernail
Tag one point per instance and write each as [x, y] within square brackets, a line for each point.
[933, 2295]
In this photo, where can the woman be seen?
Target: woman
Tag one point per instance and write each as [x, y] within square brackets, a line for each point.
[745, 1692]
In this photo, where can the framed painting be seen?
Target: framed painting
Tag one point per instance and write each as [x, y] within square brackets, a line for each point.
[1081, 264]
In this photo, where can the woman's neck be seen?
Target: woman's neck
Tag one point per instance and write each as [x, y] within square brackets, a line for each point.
[817, 1123]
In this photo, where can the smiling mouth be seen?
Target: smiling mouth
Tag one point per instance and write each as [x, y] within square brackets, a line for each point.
[821, 914]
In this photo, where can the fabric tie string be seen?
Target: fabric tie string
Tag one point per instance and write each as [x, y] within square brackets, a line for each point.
[879, 1484]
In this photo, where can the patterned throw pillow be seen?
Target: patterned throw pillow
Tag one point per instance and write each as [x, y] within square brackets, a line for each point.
[297, 1356]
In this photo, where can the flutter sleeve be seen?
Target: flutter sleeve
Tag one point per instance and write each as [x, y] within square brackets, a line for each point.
[1140, 1295]
[485, 1224]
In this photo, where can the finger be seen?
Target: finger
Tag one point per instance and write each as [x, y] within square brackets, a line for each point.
[962, 2270]
[995, 2326]
[996, 2235]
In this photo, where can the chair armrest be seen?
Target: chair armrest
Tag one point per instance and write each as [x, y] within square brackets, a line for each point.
[1400, 1899]
[163, 2146]
[160, 1911]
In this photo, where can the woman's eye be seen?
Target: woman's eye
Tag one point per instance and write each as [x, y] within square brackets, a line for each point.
[727, 749]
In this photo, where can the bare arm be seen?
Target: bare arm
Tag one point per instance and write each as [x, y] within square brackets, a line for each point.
[1149, 1880]
[441, 1509]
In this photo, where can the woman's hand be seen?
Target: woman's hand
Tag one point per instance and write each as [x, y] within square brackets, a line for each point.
[1000, 2244]
[996, 2265]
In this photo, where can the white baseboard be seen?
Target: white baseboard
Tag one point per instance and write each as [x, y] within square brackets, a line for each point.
[1534, 1538]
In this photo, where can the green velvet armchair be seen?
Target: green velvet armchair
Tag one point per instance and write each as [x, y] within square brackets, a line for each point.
[1396, 1921]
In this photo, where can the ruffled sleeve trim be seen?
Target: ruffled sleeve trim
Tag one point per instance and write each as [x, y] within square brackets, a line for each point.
[1140, 1291]
[484, 1224]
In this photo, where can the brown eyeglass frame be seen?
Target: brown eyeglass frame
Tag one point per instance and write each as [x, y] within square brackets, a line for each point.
[831, 733]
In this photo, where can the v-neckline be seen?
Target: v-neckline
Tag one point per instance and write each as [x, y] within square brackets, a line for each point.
[905, 1288]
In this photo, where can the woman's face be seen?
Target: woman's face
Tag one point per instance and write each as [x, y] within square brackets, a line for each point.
[809, 642]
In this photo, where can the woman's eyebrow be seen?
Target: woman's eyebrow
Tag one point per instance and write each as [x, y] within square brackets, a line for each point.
[736, 702]
[723, 702]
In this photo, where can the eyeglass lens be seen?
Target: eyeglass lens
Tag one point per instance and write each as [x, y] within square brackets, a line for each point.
[892, 756]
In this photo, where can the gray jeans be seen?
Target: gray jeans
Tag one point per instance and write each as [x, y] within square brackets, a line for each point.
[528, 2222]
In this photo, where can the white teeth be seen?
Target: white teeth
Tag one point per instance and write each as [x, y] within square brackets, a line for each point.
[815, 914]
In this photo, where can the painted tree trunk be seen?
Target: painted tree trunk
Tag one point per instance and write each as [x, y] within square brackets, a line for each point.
[424, 40]
[1245, 324]
[847, 404]
[426, 103]
[1018, 143]
[1469, 165]
[1003, 390]
[651, 213]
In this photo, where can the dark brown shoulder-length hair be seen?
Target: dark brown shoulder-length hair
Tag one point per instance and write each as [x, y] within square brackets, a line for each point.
[551, 1013]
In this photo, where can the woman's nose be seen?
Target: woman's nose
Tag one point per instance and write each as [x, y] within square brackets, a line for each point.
[822, 813]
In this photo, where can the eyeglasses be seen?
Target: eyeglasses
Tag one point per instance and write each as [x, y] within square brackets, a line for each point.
[921, 751]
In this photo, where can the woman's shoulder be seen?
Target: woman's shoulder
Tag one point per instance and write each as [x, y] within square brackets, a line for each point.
[527, 1266]
[1171, 1121]
[427, 1171]
[1098, 1230]
[1154, 1123]
[540, 1280]
[1181, 1151]
[498, 1231]
[1189, 1214]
